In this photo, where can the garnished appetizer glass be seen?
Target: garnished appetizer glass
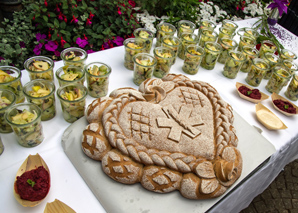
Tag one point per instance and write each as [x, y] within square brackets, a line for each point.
[70, 74]
[212, 51]
[146, 35]
[185, 26]
[204, 23]
[42, 93]
[292, 90]
[10, 79]
[227, 45]
[287, 55]
[246, 41]
[173, 43]
[289, 65]
[74, 56]
[25, 120]
[207, 36]
[72, 98]
[164, 29]
[132, 46]
[186, 39]
[164, 57]
[273, 61]
[229, 24]
[233, 64]
[97, 75]
[279, 78]
[7, 99]
[267, 46]
[249, 32]
[193, 58]
[226, 32]
[40, 67]
[143, 68]
[250, 53]
[257, 72]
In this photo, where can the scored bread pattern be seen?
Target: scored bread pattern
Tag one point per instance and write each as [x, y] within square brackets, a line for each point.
[209, 176]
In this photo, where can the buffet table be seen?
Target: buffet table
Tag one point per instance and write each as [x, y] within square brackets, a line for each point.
[68, 186]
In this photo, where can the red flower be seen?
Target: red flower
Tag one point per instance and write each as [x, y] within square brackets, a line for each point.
[85, 37]
[33, 18]
[91, 15]
[119, 12]
[65, 19]
[132, 3]
[45, 3]
[60, 16]
[74, 19]
[63, 42]
[88, 22]
[57, 8]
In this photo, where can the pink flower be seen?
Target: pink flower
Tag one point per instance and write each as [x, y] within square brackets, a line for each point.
[132, 3]
[37, 49]
[22, 44]
[88, 22]
[57, 53]
[40, 36]
[119, 12]
[81, 42]
[74, 19]
[51, 46]
[118, 41]
[60, 16]
[90, 51]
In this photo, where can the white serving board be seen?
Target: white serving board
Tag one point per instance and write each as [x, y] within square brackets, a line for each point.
[116, 197]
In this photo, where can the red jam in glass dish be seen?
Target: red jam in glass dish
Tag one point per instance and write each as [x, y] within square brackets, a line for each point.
[251, 93]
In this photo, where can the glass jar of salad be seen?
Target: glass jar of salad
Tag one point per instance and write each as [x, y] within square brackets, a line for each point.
[143, 68]
[97, 74]
[279, 78]
[193, 57]
[287, 55]
[267, 46]
[186, 39]
[292, 90]
[70, 74]
[146, 35]
[40, 67]
[240, 31]
[246, 41]
[204, 23]
[7, 99]
[249, 32]
[250, 53]
[290, 66]
[229, 24]
[173, 43]
[42, 93]
[273, 61]
[10, 79]
[257, 72]
[164, 57]
[185, 26]
[73, 100]
[164, 29]
[207, 36]
[74, 56]
[227, 44]
[233, 64]
[226, 32]
[212, 51]
[132, 47]
[25, 120]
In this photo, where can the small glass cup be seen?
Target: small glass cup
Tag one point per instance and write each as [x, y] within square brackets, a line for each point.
[70, 74]
[146, 35]
[287, 55]
[241, 31]
[193, 57]
[164, 57]
[186, 39]
[233, 64]
[229, 24]
[185, 26]
[267, 46]
[212, 51]
[42, 93]
[74, 56]
[292, 90]
[289, 66]
[279, 78]
[173, 43]
[226, 32]
[1, 146]
[144, 65]
[245, 41]
[7, 99]
[97, 75]
[207, 36]
[73, 100]
[132, 46]
[25, 120]
[164, 29]
[249, 32]
[227, 44]
[10, 79]
[204, 23]
[273, 61]
[40, 67]
[257, 72]
[250, 53]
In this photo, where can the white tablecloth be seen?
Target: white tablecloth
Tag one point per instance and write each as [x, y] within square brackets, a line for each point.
[68, 186]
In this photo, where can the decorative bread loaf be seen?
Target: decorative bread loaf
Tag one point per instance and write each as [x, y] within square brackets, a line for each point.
[172, 134]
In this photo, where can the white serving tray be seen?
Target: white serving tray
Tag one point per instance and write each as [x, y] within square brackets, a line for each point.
[116, 197]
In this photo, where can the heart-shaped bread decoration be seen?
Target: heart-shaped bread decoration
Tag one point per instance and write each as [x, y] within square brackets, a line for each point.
[172, 134]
